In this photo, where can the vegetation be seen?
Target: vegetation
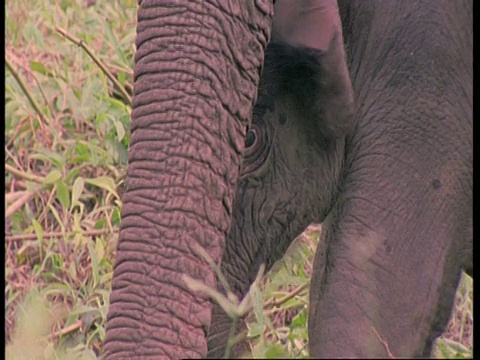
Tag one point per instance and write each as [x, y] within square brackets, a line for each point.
[66, 137]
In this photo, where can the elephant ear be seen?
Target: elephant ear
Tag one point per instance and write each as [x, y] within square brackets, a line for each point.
[314, 27]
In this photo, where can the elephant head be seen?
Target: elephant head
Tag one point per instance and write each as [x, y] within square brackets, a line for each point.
[197, 71]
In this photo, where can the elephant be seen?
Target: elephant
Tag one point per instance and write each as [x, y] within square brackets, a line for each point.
[394, 193]
[252, 120]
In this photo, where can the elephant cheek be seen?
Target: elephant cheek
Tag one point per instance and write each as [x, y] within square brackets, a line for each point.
[194, 90]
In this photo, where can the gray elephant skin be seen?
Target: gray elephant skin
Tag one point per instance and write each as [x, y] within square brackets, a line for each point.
[237, 146]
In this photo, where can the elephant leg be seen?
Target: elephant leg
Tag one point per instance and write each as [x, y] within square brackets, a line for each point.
[197, 69]
[386, 272]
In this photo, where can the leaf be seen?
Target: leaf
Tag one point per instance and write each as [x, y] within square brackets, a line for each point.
[300, 320]
[72, 270]
[106, 278]
[122, 77]
[115, 148]
[257, 299]
[63, 195]
[100, 249]
[100, 118]
[81, 149]
[31, 32]
[453, 349]
[77, 190]
[125, 120]
[88, 99]
[299, 334]
[269, 323]
[104, 182]
[293, 303]
[100, 224]
[258, 351]
[116, 104]
[56, 216]
[112, 39]
[120, 129]
[282, 278]
[52, 177]
[56, 287]
[48, 155]
[38, 230]
[88, 318]
[256, 329]
[94, 260]
[38, 67]
[116, 217]
[276, 351]
[77, 218]
[232, 309]
[282, 332]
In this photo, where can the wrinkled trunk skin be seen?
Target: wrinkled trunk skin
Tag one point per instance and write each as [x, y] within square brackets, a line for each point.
[196, 75]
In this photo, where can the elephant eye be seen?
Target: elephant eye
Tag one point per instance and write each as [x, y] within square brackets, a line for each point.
[257, 147]
[250, 138]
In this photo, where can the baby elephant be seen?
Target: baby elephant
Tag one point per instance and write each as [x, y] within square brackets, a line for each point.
[391, 181]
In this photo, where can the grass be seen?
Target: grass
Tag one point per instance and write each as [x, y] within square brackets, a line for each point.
[65, 160]
[66, 138]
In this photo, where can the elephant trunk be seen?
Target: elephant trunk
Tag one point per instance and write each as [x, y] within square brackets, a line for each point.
[197, 69]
